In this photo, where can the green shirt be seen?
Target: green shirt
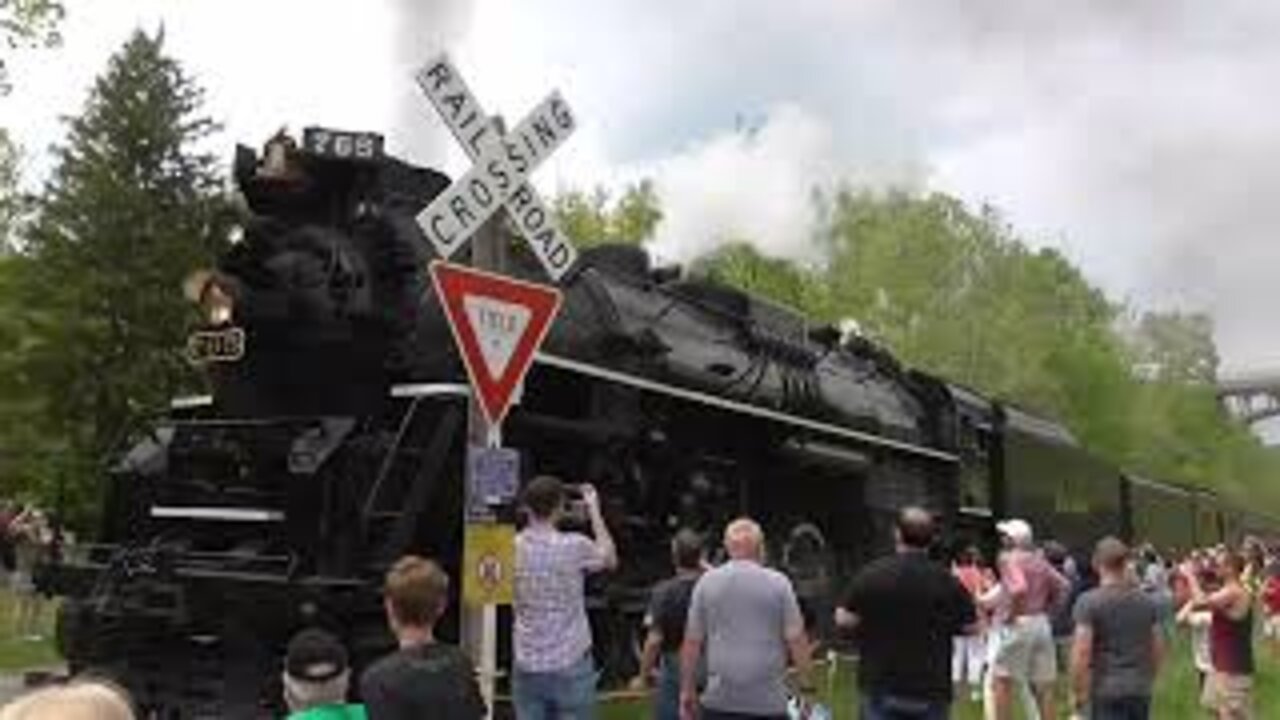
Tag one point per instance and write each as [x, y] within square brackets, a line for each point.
[331, 712]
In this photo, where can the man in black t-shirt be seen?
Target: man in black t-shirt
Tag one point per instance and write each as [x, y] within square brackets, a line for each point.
[424, 678]
[665, 621]
[905, 610]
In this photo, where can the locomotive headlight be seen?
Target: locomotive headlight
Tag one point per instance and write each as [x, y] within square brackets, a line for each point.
[217, 305]
[212, 294]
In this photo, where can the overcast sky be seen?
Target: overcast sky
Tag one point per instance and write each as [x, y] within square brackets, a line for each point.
[1142, 138]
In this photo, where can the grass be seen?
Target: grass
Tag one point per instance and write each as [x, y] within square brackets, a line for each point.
[1176, 697]
[18, 654]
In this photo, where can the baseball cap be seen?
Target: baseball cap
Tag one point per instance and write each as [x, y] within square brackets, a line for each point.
[1017, 530]
[315, 656]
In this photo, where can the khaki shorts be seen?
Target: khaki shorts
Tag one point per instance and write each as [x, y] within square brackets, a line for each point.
[1229, 692]
[1271, 627]
[1025, 651]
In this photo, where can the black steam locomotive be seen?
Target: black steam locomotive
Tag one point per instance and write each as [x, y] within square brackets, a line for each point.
[335, 437]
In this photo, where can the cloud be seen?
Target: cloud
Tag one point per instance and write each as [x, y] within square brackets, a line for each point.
[1139, 137]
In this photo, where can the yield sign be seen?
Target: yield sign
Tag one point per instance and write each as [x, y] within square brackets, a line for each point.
[498, 324]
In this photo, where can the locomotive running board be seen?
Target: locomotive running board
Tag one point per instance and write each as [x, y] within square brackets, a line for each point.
[226, 514]
[735, 406]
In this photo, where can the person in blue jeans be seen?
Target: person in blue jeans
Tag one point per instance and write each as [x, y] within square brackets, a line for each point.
[554, 674]
[565, 694]
[904, 611]
[665, 621]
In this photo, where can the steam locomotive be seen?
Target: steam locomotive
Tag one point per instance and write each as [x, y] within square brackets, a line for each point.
[334, 441]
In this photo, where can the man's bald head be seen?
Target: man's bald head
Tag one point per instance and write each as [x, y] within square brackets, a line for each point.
[744, 540]
[915, 528]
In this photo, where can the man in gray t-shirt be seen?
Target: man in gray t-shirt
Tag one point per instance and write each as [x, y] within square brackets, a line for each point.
[747, 618]
[1118, 643]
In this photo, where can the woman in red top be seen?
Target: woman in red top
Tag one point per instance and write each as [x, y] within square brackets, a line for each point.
[1230, 688]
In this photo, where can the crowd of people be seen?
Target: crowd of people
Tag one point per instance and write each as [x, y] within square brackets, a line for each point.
[1110, 622]
[731, 642]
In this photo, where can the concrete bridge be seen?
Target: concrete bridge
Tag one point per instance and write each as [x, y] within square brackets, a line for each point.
[1251, 397]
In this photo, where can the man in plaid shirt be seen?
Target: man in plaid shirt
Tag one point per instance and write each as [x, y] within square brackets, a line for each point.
[554, 675]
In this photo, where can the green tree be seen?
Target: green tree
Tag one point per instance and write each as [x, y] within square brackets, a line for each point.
[1176, 346]
[782, 281]
[23, 24]
[584, 217]
[131, 209]
[10, 199]
[591, 219]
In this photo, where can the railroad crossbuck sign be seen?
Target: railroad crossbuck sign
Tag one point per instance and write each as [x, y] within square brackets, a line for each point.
[499, 176]
[498, 324]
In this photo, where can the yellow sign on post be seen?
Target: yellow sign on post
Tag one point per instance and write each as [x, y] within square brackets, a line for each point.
[489, 562]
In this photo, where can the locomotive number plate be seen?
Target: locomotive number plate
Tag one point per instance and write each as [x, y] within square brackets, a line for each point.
[215, 346]
[341, 145]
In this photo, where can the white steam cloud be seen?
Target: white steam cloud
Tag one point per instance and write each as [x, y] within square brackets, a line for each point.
[749, 184]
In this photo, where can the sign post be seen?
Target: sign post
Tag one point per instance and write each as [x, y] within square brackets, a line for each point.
[498, 323]
[479, 631]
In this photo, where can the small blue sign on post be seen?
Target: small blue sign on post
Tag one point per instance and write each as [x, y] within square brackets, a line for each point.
[493, 477]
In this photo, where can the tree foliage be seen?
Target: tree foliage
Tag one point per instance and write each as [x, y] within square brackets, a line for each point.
[593, 219]
[11, 202]
[955, 291]
[131, 208]
[1176, 347]
[23, 23]
[740, 264]
[27, 23]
